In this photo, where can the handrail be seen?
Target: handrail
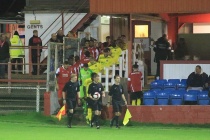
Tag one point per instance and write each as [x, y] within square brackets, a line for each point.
[50, 26]
[68, 18]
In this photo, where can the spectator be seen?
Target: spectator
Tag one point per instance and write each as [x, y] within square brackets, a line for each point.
[123, 42]
[87, 37]
[197, 79]
[108, 42]
[35, 41]
[161, 51]
[54, 38]
[16, 51]
[60, 36]
[4, 55]
[181, 49]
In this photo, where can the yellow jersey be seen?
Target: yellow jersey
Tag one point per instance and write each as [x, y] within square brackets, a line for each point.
[86, 84]
[106, 61]
[96, 67]
[116, 52]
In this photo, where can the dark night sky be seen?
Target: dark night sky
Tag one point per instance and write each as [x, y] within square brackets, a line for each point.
[8, 7]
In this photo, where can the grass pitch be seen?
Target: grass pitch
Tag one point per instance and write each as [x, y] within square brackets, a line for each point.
[33, 126]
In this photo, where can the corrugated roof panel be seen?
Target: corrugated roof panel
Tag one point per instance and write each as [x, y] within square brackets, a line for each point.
[149, 6]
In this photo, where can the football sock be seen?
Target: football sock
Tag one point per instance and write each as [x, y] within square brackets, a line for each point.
[133, 102]
[138, 101]
[117, 120]
[96, 120]
[60, 101]
[89, 114]
[113, 119]
[70, 115]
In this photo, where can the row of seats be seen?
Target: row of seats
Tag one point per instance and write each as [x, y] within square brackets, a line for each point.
[175, 97]
[170, 84]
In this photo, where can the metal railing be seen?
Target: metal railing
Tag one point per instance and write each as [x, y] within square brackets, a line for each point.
[37, 88]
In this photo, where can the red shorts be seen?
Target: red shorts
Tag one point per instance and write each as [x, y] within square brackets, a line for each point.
[60, 90]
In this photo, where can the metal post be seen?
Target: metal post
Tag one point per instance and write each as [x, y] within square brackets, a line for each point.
[37, 98]
[126, 64]
[9, 76]
[106, 79]
[113, 73]
[120, 66]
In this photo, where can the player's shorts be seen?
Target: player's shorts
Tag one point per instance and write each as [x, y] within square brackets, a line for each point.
[96, 105]
[136, 95]
[89, 102]
[70, 104]
[60, 90]
[117, 106]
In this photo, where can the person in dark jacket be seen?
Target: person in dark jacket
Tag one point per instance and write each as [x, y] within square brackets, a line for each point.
[161, 51]
[60, 36]
[4, 55]
[54, 38]
[181, 51]
[198, 79]
[35, 53]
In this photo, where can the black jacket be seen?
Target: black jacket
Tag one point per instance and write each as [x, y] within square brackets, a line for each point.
[4, 50]
[35, 41]
[197, 80]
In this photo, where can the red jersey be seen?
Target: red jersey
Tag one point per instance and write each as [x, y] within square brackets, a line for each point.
[94, 52]
[77, 67]
[82, 53]
[72, 70]
[63, 75]
[134, 81]
[83, 61]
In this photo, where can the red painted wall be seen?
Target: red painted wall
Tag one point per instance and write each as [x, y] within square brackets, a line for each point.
[186, 114]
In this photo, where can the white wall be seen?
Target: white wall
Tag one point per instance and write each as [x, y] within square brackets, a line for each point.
[156, 32]
[46, 20]
[182, 71]
[201, 28]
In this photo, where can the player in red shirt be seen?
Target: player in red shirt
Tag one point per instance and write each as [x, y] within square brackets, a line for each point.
[86, 59]
[93, 50]
[76, 65]
[62, 77]
[135, 85]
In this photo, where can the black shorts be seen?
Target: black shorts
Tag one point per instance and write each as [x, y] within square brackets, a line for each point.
[136, 95]
[96, 105]
[70, 104]
[89, 102]
[117, 106]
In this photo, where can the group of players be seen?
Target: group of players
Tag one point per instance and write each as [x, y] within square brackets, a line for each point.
[78, 82]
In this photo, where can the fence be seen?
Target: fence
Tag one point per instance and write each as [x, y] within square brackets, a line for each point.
[37, 88]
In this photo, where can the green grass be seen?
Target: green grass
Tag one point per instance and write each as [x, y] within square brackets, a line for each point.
[33, 126]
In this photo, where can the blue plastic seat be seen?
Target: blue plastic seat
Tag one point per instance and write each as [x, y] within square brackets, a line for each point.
[163, 97]
[149, 98]
[172, 83]
[191, 95]
[176, 97]
[182, 85]
[203, 98]
[158, 84]
[183, 80]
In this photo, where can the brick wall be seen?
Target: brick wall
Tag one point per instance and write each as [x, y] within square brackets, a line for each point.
[187, 114]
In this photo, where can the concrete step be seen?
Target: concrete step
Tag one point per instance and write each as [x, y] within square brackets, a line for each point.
[19, 108]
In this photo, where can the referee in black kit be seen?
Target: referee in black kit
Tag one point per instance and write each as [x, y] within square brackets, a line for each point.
[116, 94]
[95, 86]
[70, 94]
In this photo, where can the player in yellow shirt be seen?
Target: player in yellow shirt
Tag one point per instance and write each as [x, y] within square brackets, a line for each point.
[94, 66]
[106, 60]
[88, 100]
[115, 52]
